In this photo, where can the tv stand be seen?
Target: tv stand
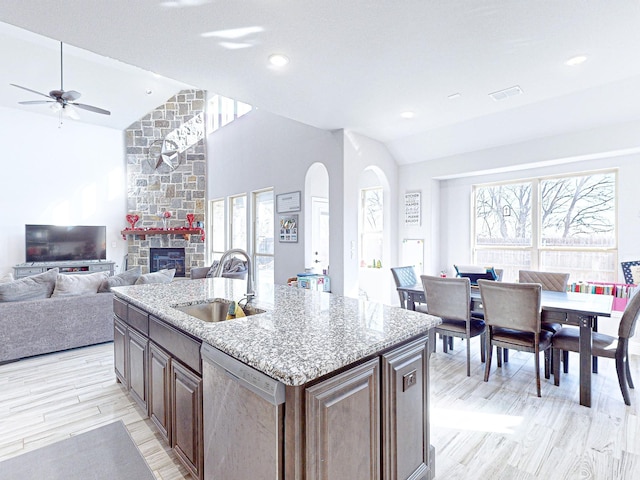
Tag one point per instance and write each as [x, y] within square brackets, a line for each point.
[68, 268]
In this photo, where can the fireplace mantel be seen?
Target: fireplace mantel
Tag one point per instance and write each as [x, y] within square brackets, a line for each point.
[143, 232]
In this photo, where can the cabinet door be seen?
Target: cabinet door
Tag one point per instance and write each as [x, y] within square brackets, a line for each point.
[159, 390]
[138, 353]
[186, 417]
[343, 425]
[405, 407]
[120, 351]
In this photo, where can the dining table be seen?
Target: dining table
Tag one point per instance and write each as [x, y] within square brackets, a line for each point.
[569, 308]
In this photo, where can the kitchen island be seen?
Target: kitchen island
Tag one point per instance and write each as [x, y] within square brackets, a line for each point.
[350, 382]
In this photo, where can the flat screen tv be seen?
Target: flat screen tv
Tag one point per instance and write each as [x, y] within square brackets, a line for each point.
[55, 243]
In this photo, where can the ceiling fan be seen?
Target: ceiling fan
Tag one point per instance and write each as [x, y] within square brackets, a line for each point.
[62, 100]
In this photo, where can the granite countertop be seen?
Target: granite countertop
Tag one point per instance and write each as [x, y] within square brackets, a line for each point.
[302, 335]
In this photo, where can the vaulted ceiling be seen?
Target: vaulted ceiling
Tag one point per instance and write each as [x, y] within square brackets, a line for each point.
[354, 64]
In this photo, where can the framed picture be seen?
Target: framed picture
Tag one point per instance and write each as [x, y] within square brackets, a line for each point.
[289, 228]
[412, 208]
[288, 202]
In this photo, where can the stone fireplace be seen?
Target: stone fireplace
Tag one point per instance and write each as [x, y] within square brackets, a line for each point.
[166, 172]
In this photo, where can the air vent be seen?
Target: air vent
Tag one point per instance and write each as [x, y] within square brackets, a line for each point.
[506, 93]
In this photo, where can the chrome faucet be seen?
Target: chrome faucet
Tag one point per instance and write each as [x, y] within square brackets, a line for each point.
[237, 251]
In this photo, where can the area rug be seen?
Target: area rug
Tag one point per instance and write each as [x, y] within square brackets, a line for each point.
[105, 453]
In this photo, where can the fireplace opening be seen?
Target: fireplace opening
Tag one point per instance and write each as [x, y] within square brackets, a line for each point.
[167, 258]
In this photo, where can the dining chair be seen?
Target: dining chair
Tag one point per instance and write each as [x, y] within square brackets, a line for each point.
[450, 299]
[406, 277]
[512, 313]
[551, 281]
[568, 340]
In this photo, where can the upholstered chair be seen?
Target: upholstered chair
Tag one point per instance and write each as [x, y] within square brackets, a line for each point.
[512, 313]
[551, 281]
[406, 277]
[567, 339]
[450, 299]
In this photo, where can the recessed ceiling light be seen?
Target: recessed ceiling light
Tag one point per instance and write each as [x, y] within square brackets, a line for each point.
[453, 96]
[577, 60]
[149, 91]
[408, 114]
[278, 60]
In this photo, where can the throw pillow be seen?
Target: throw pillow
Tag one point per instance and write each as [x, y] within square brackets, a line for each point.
[161, 276]
[125, 278]
[29, 288]
[72, 285]
[7, 277]
[635, 274]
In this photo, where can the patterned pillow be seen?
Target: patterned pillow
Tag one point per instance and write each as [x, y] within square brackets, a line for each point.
[29, 288]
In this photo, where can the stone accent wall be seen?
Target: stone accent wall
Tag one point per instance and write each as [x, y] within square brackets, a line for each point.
[152, 191]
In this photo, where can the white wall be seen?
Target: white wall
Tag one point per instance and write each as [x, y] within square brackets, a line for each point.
[72, 175]
[448, 184]
[261, 150]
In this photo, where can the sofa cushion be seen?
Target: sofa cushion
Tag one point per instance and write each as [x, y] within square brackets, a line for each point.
[29, 288]
[161, 276]
[7, 277]
[71, 285]
[125, 278]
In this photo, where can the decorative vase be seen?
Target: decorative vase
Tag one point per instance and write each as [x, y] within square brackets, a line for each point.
[190, 218]
[164, 223]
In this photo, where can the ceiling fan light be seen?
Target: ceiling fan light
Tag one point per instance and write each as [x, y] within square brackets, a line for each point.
[70, 112]
[56, 107]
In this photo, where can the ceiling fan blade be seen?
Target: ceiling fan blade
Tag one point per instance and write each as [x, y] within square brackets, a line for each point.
[36, 102]
[71, 95]
[91, 108]
[30, 90]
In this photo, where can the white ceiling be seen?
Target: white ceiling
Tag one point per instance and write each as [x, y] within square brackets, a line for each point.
[355, 64]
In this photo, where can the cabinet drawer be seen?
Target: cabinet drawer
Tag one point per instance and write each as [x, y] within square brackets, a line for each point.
[138, 319]
[181, 346]
[120, 308]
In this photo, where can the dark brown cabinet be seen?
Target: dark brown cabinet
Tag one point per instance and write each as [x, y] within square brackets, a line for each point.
[405, 412]
[160, 367]
[343, 425]
[372, 421]
[159, 390]
[186, 417]
[119, 350]
[138, 355]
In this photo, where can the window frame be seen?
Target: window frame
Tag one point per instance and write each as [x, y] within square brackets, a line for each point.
[536, 249]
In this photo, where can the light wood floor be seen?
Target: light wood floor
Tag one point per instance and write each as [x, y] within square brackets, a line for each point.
[51, 397]
[494, 430]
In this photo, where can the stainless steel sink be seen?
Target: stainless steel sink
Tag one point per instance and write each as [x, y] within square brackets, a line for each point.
[215, 310]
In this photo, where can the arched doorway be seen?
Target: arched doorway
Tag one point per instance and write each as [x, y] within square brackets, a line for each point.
[316, 207]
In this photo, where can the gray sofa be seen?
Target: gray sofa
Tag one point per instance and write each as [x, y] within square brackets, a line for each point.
[34, 327]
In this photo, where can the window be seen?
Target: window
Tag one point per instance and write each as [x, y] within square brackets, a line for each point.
[371, 233]
[238, 223]
[217, 228]
[263, 239]
[224, 110]
[562, 224]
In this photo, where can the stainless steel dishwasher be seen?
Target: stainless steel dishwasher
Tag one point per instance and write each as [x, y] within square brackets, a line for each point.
[243, 411]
